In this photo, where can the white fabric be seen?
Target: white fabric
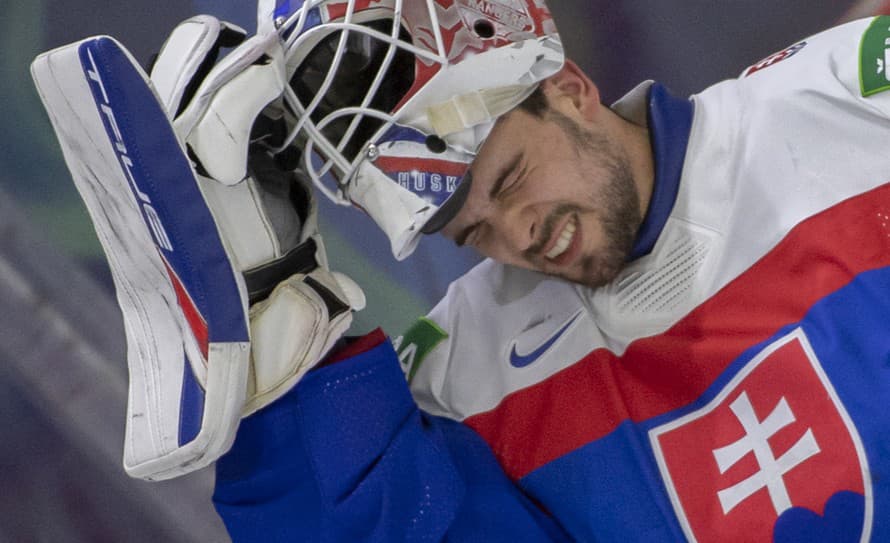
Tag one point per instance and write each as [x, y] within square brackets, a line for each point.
[248, 53]
[292, 330]
[474, 108]
[220, 139]
[182, 54]
[241, 218]
[220, 136]
[747, 180]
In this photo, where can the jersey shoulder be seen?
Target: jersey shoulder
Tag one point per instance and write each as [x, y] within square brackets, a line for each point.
[466, 363]
[846, 62]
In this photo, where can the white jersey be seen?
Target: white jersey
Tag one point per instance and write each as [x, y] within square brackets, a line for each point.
[765, 153]
[782, 203]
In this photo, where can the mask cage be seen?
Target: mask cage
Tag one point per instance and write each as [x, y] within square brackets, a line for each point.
[346, 89]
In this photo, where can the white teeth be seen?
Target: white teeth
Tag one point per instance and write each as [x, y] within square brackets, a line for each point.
[565, 239]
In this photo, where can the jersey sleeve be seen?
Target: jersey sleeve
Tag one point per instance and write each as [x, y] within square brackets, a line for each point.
[347, 456]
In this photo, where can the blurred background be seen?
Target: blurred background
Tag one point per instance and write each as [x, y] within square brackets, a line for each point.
[62, 354]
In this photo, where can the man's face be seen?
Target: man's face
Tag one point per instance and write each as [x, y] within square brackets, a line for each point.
[553, 194]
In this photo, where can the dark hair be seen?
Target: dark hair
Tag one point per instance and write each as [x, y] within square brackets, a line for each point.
[535, 104]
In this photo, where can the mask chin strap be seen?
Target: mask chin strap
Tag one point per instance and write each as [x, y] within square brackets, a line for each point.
[474, 108]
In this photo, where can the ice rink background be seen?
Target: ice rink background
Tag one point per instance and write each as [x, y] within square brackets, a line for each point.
[62, 367]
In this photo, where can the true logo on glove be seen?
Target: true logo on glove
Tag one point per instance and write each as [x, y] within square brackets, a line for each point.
[152, 218]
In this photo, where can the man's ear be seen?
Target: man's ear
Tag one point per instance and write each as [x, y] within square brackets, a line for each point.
[571, 85]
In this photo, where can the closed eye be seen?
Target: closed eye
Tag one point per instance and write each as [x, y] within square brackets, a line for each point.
[498, 189]
[507, 172]
[513, 183]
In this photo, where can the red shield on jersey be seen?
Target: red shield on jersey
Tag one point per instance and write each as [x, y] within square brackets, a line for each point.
[774, 438]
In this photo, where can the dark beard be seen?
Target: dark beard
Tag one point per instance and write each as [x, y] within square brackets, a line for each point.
[620, 221]
[618, 203]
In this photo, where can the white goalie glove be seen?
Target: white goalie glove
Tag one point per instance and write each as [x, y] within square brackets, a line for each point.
[266, 214]
[294, 328]
[197, 225]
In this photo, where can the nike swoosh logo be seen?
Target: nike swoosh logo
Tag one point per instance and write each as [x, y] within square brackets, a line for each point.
[522, 360]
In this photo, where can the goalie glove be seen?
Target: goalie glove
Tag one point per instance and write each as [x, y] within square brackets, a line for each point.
[177, 240]
[266, 214]
[294, 328]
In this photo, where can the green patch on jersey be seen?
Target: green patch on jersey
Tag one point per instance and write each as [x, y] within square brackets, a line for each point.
[415, 344]
[874, 57]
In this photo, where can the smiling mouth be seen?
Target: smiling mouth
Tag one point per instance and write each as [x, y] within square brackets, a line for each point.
[564, 241]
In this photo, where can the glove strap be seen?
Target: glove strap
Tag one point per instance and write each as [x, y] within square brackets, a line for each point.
[262, 279]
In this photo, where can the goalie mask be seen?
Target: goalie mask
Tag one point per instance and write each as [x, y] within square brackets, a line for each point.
[390, 100]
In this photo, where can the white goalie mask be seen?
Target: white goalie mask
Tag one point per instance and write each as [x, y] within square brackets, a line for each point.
[390, 100]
